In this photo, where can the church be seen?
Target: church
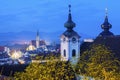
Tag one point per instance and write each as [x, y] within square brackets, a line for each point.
[72, 47]
[70, 41]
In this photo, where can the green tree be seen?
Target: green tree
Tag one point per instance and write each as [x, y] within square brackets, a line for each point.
[100, 63]
[52, 69]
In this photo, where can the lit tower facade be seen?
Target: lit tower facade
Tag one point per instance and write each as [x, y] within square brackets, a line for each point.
[37, 40]
[70, 41]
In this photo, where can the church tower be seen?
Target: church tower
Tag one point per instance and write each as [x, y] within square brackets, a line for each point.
[70, 41]
[37, 40]
[106, 26]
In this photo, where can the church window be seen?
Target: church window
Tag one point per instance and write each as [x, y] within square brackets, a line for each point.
[73, 53]
[64, 53]
[64, 39]
[73, 40]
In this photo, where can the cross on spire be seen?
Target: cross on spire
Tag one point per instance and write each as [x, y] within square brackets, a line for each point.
[69, 8]
[69, 24]
[106, 11]
[106, 25]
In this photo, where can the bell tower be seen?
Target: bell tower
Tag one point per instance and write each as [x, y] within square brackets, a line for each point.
[70, 41]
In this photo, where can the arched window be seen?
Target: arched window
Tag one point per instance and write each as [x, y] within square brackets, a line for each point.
[73, 53]
[64, 53]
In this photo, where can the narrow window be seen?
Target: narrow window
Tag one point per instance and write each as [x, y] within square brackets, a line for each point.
[73, 53]
[64, 53]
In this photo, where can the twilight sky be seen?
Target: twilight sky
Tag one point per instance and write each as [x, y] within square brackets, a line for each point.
[50, 15]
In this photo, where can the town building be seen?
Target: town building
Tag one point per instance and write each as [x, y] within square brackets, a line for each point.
[70, 41]
[38, 43]
[71, 46]
[106, 38]
[37, 40]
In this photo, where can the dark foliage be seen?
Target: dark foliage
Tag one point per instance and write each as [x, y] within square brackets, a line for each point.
[9, 70]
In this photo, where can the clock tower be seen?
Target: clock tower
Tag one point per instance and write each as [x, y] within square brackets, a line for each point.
[70, 41]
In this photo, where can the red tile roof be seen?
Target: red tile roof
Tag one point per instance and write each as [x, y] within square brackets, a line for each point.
[2, 48]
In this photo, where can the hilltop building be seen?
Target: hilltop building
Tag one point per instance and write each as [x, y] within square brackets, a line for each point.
[106, 38]
[71, 48]
[70, 41]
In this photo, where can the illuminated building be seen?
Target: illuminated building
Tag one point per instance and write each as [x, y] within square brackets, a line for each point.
[31, 48]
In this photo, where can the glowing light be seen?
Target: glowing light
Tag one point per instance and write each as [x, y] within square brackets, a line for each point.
[30, 48]
[16, 54]
[21, 61]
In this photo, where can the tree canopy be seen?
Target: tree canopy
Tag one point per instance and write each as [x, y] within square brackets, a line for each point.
[99, 63]
[50, 70]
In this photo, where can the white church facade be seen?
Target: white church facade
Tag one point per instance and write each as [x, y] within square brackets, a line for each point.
[70, 41]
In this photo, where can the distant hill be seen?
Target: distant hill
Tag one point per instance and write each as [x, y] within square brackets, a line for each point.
[26, 36]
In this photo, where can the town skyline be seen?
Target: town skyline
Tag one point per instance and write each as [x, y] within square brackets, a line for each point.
[59, 40]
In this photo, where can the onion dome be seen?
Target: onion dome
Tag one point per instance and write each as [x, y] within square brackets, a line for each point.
[69, 24]
[106, 26]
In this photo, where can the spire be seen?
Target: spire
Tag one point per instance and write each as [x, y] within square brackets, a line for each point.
[69, 24]
[69, 9]
[37, 39]
[106, 11]
[37, 32]
[106, 25]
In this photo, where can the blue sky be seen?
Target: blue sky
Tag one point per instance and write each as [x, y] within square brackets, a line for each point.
[50, 15]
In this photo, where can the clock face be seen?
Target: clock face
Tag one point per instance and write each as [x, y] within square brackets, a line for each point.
[73, 40]
[64, 39]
